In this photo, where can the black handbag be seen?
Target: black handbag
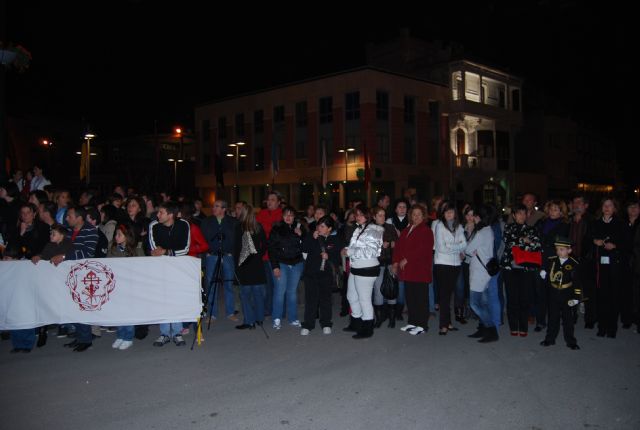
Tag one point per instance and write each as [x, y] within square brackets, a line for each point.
[389, 287]
[492, 267]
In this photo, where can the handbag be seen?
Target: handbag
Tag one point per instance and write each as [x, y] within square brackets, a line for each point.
[526, 258]
[492, 267]
[389, 287]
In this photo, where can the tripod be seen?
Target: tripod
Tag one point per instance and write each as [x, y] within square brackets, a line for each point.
[216, 279]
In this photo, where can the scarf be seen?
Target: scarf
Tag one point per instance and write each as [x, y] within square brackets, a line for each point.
[248, 247]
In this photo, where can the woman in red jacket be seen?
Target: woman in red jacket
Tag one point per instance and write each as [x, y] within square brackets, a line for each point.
[412, 260]
[198, 244]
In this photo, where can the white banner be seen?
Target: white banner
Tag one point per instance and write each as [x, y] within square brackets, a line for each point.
[100, 291]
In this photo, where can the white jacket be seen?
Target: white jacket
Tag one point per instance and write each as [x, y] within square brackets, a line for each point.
[448, 245]
[364, 248]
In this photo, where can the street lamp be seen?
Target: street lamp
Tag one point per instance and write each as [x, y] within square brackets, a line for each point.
[175, 162]
[237, 146]
[88, 138]
[346, 161]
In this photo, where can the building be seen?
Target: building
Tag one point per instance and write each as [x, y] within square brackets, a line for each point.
[421, 136]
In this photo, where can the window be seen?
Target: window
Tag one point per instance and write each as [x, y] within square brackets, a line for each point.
[409, 110]
[382, 105]
[457, 87]
[301, 114]
[278, 115]
[240, 125]
[222, 128]
[326, 110]
[472, 90]
[410, 150]
[515, 99]
[485, 143]
[352, 106]
[206, 130]
[258, 121]
[383, 149]
[258, 158]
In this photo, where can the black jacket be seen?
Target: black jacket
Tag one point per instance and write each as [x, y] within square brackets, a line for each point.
[174, 239]
[251, 271]
[313, 247]
[285, 246]
[217, 233]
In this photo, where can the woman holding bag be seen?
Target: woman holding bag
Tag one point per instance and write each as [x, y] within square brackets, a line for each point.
[520, 275]
[389, 237]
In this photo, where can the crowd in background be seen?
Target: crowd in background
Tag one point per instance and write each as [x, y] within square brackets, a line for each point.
[456, 261]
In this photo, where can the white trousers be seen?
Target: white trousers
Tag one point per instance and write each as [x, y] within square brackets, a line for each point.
[359, 291]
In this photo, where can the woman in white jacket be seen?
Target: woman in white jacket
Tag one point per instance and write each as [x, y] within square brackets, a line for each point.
[450, 244]
[484, 294]
[363, 251]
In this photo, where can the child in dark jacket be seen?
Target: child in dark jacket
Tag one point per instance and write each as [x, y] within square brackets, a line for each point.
[322, 248]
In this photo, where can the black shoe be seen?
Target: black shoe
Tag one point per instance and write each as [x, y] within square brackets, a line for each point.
[18, 350]
[259, 323]
[42, 337]
[4, 335]
[490, 335]
[538, 328]
[547, 343]
[354, 325]
[246, 326]
[72, 344]
[365, 330]
[81, 347]
[442, 332]
[573, 347]
[392, 316]
[479, 333]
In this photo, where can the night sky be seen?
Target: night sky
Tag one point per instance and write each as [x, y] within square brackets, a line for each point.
[120, 65]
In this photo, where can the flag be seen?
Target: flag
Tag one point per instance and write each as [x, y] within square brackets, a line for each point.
[84, 161]
[218, 167]
[324, 164]
[367, 168]
[275, 155]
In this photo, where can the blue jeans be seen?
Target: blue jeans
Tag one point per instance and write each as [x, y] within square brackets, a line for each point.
[486, 304]
[252, 297]
[268, 293]
[83, 333]
[125, 332]
[287, 285]
[23, 339]
[400, 298]
[167, 329]
[227, 275]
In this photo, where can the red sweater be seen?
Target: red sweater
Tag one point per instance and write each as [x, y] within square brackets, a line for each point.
[267, 218]
[417, 248]
[198, 243]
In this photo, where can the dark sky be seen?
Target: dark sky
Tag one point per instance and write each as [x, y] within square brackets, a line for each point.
[121, 64]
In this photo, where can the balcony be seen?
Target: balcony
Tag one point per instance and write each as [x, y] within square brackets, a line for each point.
[466, 161]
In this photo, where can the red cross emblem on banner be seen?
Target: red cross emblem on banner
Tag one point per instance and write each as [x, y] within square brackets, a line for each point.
[90, 284]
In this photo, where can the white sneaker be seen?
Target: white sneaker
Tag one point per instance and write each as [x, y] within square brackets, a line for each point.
[125, 344]
[304, 332]
[276, 324]
[417, 330]
[295, 323]
[326, 330]
[408, 327]
[117, 343]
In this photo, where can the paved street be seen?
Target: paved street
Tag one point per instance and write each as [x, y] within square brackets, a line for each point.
[242, 380]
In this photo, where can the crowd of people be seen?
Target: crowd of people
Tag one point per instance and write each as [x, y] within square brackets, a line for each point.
[519, 266]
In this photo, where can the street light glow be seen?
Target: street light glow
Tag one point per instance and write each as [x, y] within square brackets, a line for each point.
[89, 136]
[179, 130]
[229, 155]
[239, 143]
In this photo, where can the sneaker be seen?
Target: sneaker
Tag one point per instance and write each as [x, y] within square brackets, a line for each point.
[178, 340]
[408, 327]
[117, 343]
[162, 340]
[416, 331]
[326, 330]
[276, 324]
[125, 344]
[304, 332]
[295, 323]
